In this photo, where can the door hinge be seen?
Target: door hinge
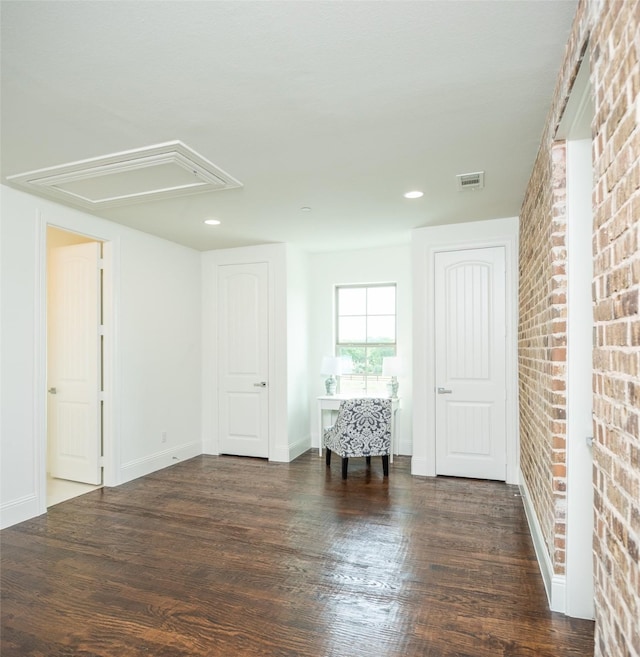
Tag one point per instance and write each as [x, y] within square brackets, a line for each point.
[101, 330]
[101, 461]
[101, 396]
[100, 263]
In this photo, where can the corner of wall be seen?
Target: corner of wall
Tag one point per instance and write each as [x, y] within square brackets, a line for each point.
[284, 454]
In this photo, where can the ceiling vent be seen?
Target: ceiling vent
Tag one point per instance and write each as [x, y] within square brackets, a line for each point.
[470, 180]
[143, 174]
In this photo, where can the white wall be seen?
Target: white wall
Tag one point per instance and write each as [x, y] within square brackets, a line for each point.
[382, 265]
[19, 453]
[425, 243]
[297, 352]
[160, 352]
[155, 350]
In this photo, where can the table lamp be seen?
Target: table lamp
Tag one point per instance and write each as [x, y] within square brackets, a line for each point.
[392, 366]
[331, 365]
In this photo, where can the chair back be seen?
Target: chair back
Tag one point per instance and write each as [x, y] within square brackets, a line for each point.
[362, 428]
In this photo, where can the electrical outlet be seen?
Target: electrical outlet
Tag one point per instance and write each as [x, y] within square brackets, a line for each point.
[164, 437]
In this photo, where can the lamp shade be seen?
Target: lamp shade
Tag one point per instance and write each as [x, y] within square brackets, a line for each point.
[346, 365]
[391, 366]
[330, 365]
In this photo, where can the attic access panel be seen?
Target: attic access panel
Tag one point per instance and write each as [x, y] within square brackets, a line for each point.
[143, 174]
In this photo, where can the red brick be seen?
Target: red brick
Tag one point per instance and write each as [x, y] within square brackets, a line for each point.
[612, 28]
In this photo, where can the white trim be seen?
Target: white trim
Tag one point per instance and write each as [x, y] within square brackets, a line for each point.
[577, 116]
[576, 129]
[19, 510]
[296, 449]
[40, 365]
[149, 464]
[209, 380]
[111, 446]
[579, 460]
[558, 594]
[554, 585]
[49, 181]
[210, 446]
[111, 363]
[275, 256]
[420, 467]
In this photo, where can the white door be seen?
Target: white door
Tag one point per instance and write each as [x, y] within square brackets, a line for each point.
[73, 424]
[243, 359]
[470, 363]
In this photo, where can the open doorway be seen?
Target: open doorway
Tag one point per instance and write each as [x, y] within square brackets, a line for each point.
[75, 378]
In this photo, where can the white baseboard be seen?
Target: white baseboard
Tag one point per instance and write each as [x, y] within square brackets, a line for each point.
[555, 585]
[287, 453]
[148, 464]
[558, 600]
[15, 511]
[420, 467]
[299, 447]
[210, 447]
[314, 441]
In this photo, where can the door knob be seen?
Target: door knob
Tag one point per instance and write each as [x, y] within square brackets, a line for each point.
[260, 384]
[52, 391]
[444, 391]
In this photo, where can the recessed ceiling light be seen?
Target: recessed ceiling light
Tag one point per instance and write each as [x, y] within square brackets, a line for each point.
[414, 194]
[305, 208]
[212, 222]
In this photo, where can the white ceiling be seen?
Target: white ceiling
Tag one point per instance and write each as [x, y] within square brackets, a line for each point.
[340, 106]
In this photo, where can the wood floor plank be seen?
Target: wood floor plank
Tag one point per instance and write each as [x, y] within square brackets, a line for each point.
[237, 557]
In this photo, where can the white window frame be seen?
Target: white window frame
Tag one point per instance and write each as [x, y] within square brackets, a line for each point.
[367, 378]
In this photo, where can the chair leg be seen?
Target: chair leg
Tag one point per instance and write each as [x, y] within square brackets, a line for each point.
[385, 464]
[368, 461]
[345, 463]
[328, 457]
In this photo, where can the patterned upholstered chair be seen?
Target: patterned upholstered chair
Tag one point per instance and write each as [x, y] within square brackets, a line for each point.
[362, 428]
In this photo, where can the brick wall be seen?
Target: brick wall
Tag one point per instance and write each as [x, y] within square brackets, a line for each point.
[542, 347]
[615, 51]
[611, 28]
[543, 313]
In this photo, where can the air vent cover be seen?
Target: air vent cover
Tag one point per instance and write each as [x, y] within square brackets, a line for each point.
[470, 180]
[143, 174]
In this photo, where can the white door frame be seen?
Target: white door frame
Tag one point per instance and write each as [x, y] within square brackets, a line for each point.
[274, 255]
[233, 384]
[426, 243]
[575, 596]
[478, 394]
[579, 457]
[110, 256]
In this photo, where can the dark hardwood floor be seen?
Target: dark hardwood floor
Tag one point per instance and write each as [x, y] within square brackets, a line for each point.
[225, 556]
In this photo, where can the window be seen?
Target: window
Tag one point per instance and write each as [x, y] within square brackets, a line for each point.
[365, 332]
